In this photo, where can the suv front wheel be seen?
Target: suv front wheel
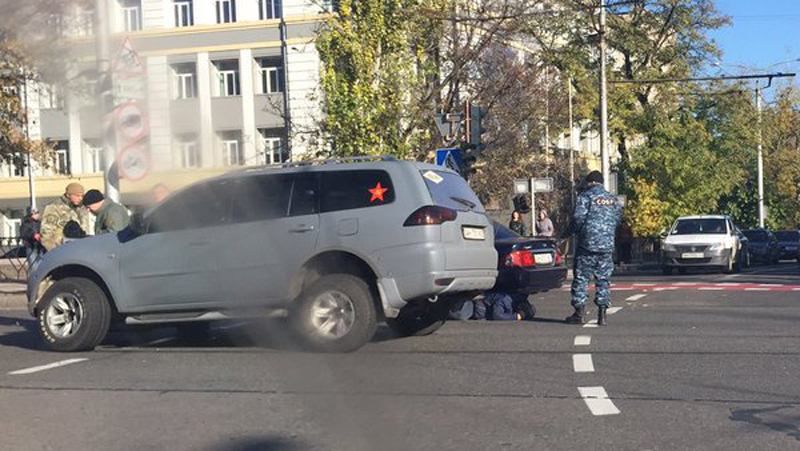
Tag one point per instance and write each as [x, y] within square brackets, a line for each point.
[336, 314]
[74, 315]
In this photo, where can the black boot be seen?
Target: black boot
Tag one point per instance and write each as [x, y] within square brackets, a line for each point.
[579, 317]
[601, 316]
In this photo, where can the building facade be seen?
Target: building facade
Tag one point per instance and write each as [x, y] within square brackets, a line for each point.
[223, 84]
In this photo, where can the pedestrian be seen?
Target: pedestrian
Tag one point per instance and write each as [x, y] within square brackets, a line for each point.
[159, 192]
[544, 226]
[594, 223]
[56, 216]
[30, 231]
[516, 223]
[110, 216]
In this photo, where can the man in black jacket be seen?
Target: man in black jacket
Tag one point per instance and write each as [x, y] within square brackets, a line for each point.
[31, 236]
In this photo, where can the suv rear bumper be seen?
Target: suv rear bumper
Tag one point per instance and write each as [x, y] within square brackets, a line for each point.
[431, 284]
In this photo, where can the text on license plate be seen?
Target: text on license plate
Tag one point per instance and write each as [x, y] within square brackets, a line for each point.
[543, 259]
[473, 233]
[692, 255]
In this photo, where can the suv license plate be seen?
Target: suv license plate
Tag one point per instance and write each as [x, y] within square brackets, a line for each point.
[692, 255]
[473, 233]
[543, 259]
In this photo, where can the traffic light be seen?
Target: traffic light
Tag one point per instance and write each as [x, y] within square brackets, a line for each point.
[476, 129]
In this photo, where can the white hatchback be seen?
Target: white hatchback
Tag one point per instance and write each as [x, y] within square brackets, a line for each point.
[702, 241]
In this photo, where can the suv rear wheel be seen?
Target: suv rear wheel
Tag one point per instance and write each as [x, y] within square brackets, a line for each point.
[419, 318]
[74, 315]
[336, 314]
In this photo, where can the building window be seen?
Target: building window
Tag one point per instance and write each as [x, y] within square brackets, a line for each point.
[271, 79]
[61, 160]
[84, 23]
[232, 151]
[49, 98]
[95, 153]
[228, 73]
[184, 13]
[184, 84]
[226, 11]
[189, 151]
[269, 9]
[131, 14]
[273, 149]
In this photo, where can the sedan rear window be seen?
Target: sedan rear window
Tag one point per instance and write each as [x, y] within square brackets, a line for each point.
[756, 235]
[788, 235]
[450, 190]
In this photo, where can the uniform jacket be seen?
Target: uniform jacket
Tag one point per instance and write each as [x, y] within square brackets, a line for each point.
[111, 217]
[594, 223]
[56, 216]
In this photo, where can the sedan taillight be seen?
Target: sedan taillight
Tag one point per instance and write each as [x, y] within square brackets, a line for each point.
[521, 259]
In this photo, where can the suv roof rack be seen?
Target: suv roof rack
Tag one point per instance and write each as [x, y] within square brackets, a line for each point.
[342, 160]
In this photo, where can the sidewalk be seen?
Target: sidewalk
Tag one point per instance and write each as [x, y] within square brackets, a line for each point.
[12, 296]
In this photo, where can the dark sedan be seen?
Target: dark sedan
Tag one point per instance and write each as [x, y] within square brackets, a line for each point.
[762, 245]
[527, 265]
[789, 244]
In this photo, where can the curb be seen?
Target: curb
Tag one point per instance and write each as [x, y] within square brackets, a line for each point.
[13, 301]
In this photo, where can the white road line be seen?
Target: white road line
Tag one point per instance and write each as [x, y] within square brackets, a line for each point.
[642, 284]
[582, 363]
[756, 289]
[597, 401]
[665, 288]
[796, 289]
[636, 297]
[583, 340]
[728, 284]
[50, 366]
[591, 323]
[686, 284]
[612, 310]
[711, 289]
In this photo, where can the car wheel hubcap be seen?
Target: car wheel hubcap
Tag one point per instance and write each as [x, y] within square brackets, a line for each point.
[64, 315]
[333, 314]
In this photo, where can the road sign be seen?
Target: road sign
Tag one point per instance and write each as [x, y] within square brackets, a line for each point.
[542, 185]
[521, 186]
[449, 157]
[127, 63]
[449, 125]
[134, 162]
[130, 122]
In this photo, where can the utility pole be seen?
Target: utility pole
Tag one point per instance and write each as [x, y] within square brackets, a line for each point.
[31, 186]
[604, 158]
[571, 146]
[106, 95]
[761, 214]
[287, 118]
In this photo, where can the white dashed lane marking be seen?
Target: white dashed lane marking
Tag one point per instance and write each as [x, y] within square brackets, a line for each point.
[756, 289]
[583, 340]
[597, 401]
[612, 310]
[582, 363]
[592, 323]
[50, 366]
[635, 297]
[711, 288]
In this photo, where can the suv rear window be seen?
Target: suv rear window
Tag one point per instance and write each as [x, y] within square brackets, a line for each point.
[699, 227]
[450, 190]
[345, 190]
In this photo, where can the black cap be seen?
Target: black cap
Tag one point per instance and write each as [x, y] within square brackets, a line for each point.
[592, 177]
[92, 197]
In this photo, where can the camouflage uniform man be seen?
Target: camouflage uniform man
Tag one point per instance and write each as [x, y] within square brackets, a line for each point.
[56, 215]
[594, 223]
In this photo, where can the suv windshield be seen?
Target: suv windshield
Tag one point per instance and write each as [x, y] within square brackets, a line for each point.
[451, 191]
[699, 226]
[788, 235]
[756, 235]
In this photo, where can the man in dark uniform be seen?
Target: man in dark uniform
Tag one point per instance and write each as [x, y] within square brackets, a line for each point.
[594, 223]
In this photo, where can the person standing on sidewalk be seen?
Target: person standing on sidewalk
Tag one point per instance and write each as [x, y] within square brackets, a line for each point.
[544, 226]
[30, 231]
[594, 223]
[516, 224]
[110, 216]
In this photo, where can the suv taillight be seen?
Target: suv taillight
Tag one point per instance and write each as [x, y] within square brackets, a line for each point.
[559, 259]
[522, 259]
[430, 215]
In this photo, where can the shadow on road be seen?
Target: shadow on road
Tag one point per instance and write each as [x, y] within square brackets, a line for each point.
[265, 443]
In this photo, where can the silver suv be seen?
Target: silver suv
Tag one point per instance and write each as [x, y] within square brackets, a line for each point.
[341, 244]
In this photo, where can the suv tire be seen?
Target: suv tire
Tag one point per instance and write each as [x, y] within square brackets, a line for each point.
[335, 314]
[74, 315]
[419, 318]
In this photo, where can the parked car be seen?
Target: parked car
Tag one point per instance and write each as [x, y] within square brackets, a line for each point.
[527, 265]
[702, 241]
[763, 246]
[789, 244]
[340, 244]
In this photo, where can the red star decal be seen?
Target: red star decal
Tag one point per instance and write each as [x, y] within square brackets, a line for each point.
[377, 192]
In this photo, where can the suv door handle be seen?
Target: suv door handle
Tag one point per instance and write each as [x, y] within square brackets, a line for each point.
[302, 228]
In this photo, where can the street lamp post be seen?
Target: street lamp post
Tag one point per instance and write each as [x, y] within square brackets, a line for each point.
[761, 214]
[604, 162]
[29, 162]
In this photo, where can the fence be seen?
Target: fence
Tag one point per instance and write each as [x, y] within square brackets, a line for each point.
[13, 263]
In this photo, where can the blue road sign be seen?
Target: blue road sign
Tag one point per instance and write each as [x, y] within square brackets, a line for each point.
[449, 157]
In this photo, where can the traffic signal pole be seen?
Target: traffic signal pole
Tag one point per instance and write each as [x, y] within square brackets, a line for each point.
[604, 157]
[761, 214]
[105, 90]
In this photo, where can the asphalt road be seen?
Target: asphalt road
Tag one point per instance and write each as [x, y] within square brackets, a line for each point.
[701, 361]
